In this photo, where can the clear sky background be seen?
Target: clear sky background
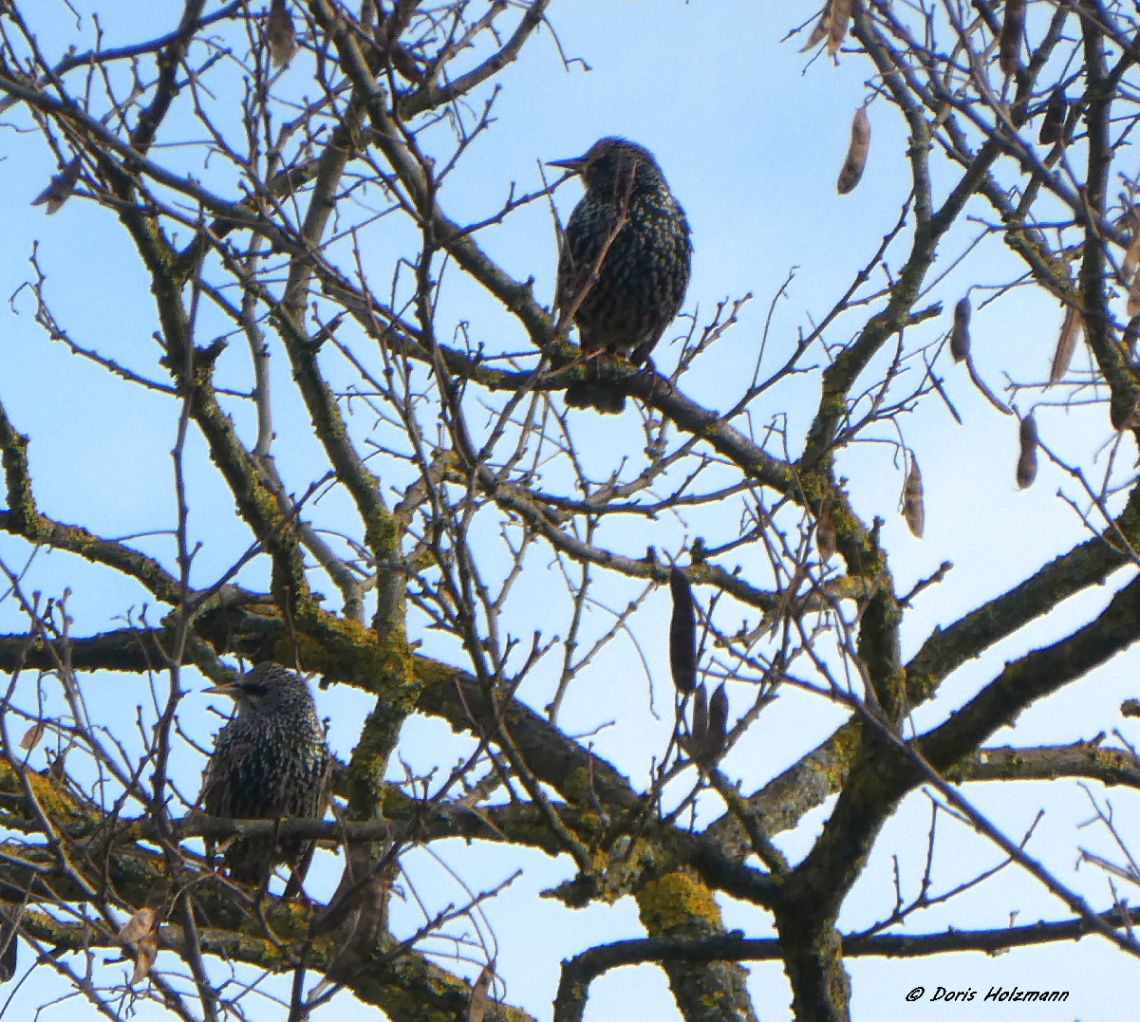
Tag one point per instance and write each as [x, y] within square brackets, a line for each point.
[750, 134]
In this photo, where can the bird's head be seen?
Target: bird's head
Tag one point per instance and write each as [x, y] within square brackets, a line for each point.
[608, 166]
[266, 689]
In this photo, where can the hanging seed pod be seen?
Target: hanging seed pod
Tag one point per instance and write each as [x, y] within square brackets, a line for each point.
[1009, 45]
[139, 925]
[1054, 121]
[837, 19]
[819, 32]
[960, 333]
[699, 727]
[913, 510]
[1066, 344]
[1027, 459]
[856, 158]
[825, 534]
[682, 634]
[60, 188]
[478, 1005]
[1132, 256]
[32, 736]
[280, 35]
[147, 952]
[716, 730]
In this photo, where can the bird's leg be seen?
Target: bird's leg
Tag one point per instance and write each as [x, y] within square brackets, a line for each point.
[641, 358]
[297, 872]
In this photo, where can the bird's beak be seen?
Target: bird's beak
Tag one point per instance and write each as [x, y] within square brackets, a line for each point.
[574, 166]
[230, 689]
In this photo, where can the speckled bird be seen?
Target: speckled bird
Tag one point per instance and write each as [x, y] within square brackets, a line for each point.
[642, 275]
[269, 761]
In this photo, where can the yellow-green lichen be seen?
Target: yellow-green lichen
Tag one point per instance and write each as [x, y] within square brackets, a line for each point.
[676, 903]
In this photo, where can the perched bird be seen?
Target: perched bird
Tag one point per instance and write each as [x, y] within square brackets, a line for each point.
[269, 761]
[624, 263]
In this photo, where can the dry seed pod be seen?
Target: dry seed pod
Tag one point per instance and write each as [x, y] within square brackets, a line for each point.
[913, 510]
[1132, 256]
[960, 333]
[147, 952]
[1066, 344]
[1027, 459]
[32, 736]
[60, 188]
[682, 634]
[699, 728]
[478, 1003]
[1054, 121]
[817, 34]
[1134, 297]
[139, 925]
[716, 730]
[280, 35]
[856, 152]
[837, 18]
[1011, 30]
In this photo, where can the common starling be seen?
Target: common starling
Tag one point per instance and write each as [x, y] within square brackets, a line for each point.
[269, 761]
[624, 264]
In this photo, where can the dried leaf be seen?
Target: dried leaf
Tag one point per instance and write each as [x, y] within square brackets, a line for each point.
[960, 333]
[1027, 460]
[838, 16]
[825, 534]
[818, 33]
[856, 158]
[682, 634]
[1009, 45]
[479, 994]
[147, 952]
[32, 736]
[1066, 344]
[716, 730]
[700, 721]
[1132, 256]
[280, 35]
[1054, 121]
[1134, 297]
[60, 188]
[139, 925]
[913, 510]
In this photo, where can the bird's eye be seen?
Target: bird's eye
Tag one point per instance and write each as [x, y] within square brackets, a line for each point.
[256, 690]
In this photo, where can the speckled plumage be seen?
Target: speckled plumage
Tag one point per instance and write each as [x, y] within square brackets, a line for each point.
[641, 277]
[269, 761]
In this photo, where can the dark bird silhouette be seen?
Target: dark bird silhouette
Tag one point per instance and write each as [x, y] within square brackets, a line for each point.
[624, 264]
[269, 761]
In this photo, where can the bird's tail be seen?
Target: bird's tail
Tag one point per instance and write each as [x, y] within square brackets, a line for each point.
[601, 397]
